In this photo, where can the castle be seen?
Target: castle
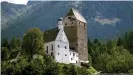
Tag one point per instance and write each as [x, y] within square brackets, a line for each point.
[68, 42]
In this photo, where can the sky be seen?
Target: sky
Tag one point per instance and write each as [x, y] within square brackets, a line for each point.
[26, 1]
[16, 1]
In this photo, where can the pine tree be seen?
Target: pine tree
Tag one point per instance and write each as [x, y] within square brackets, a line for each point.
[119, 42]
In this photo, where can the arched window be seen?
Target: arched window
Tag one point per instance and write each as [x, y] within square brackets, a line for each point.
[52, 47]
[47, 50]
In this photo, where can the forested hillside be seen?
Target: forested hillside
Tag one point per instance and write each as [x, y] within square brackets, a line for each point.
[105, 19]
[113, 56]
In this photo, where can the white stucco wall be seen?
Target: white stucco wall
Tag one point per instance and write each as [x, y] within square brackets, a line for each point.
[62, 53]
[49, 45]
[73, 57]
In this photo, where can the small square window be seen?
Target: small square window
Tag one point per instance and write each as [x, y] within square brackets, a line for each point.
[51, 53]
[65, 23]
[84, 24]
[58, 53]
[65, 47]
[58, 46]
[72, 22]
[73, 54]
[69, 17]
[65, 54]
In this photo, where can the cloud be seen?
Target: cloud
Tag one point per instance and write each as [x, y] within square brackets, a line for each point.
[104, 21]
[16, 1]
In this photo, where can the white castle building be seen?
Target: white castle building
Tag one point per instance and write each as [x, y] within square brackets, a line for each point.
[67, 43]
[59, 48]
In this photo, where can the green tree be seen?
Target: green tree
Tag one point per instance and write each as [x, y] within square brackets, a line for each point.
[130, 41]
[15, 43]
[73, 70]
[5, 43]
[5, 53]
[65, 70]
[96, 41]
[119, 42]
[120, 60]
[33, 42]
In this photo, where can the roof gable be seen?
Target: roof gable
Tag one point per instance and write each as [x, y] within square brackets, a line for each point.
[76, 14]
[62, 36]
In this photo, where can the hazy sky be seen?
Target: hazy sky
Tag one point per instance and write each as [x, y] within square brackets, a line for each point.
[16, 1]
[26, 1]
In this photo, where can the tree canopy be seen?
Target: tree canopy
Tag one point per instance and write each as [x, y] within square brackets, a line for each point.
[33, 42]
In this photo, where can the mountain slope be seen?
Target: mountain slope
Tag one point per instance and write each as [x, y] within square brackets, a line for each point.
[105, 19]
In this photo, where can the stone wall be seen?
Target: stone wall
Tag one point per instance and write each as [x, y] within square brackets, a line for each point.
[76, 32]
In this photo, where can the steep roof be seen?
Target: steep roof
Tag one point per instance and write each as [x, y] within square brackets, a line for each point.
[50, 35]
[76, 14]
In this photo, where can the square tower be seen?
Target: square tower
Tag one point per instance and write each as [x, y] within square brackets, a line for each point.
[76, 31]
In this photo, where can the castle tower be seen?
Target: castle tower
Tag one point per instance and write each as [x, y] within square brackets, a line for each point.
[76, 31]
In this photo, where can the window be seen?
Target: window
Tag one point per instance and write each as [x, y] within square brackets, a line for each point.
[52, 47]
[84, 25]
[72, 22]
[58, 53]
[73, 54]
[76, 61]
[47, 50]
[71, 59]
[51, 53]
[65, 54]
[65, 23]
[69, 17]
[58, 46]
[65, 47]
